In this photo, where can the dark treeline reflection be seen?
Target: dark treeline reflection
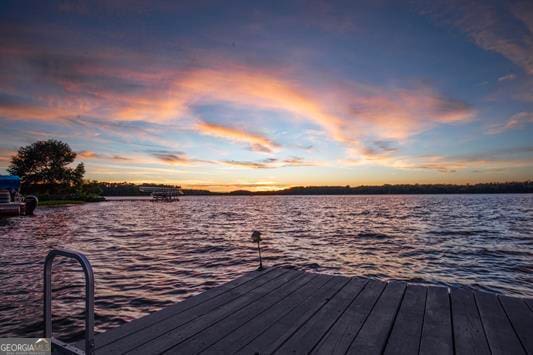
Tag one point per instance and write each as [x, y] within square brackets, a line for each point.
[130, 189]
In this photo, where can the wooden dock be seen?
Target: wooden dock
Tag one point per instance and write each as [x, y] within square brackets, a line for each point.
[286, 311]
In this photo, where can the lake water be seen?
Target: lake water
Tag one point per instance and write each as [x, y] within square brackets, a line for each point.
[149, 255]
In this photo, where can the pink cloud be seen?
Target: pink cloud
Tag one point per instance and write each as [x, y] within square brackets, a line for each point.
[497, 159]
[517, 120]
[348, 112]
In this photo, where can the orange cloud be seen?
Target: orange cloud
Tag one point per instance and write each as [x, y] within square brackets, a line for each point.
[257, 142]
[6, 154]
[41, 112]
[347, 112]
[87, 154]
[257, 89]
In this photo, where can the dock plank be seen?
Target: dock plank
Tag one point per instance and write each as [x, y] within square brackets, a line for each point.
[407, 329]
[469, 335]
[341, 335]
[241, 336]
[279, 332]
[437, 336]
[521, 319]
[373, 335]
[529, 302]
[217, 330]
[286, 311]
[164, 342]
[500, 334]
[156, 329]
[307, 336]
[137, 325]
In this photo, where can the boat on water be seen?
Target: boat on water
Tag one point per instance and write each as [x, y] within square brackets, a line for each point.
[166, 194]
[12, 203]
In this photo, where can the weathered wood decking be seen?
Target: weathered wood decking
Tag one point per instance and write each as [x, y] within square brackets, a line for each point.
[287, 311]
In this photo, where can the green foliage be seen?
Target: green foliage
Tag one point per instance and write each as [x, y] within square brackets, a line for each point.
[78, 196]
[43, 167]
[91, 187]
[125, 188]
[400, 189]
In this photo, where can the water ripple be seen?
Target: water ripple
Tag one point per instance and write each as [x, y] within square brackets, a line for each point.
[149, 255]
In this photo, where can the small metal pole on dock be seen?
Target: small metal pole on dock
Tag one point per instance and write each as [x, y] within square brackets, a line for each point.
[256, 237]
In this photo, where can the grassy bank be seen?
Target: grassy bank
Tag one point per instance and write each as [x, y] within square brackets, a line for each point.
[56, 203]
[73, 200]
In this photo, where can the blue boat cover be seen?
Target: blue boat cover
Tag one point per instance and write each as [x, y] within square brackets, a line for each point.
[9, 182]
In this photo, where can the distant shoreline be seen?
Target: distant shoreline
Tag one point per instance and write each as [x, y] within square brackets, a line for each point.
[132, 190]
[149, 198]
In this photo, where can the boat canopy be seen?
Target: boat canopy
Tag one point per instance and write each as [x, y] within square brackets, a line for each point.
[9, 182]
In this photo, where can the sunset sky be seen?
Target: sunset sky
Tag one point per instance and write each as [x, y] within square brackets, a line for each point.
[263, 95]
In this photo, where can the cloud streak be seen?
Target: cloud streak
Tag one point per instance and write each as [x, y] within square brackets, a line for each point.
[505, 28]
[507, 77]
[172, 158]
[256, 142]
[517, 120]
[177, 158]
[270, 163]
[89, 154]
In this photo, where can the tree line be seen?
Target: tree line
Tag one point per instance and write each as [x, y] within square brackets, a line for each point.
[481, 188]
[130, 189]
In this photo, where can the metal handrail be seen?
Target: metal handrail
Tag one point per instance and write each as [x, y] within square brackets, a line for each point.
[89, 295]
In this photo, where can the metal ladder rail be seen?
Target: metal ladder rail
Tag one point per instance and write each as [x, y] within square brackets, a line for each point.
[89, 300]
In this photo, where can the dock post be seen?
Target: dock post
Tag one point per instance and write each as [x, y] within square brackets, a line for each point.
[256, 237]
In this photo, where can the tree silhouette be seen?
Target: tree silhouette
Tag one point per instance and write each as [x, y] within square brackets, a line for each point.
[43, 167]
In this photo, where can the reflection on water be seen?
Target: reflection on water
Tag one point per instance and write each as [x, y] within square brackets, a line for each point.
[148, 255]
